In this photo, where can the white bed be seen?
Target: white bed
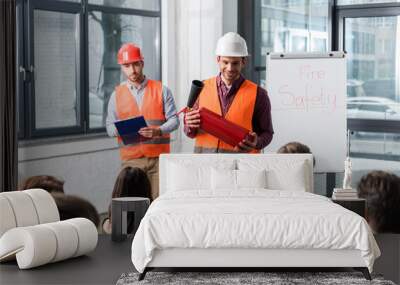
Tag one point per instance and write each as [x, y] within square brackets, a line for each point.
[239, 210]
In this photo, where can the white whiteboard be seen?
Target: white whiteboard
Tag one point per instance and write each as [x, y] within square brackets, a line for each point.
[308, 104]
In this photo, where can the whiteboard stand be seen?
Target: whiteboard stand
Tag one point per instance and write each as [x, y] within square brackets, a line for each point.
[308, 94]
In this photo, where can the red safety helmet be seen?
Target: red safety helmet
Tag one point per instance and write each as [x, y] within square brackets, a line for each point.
[129, 53]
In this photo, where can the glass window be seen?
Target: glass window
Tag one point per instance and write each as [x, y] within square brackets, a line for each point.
[373, 74]
[319, 44]
[153, 5]
[107, 32]
[263, 76]
[370, 143]
[56, 101]
[384, 68]
[56, 54]
[291, 26]
[75, 1]
[354, 2]
[299, 44]
[373, 61]
[378, 109]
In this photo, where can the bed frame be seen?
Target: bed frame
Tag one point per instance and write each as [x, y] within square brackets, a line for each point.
[242, 259]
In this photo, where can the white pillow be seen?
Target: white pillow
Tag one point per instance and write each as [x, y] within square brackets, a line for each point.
[223, 179]
[188, 176]
[290, 178]
[236, 179]
[281, 174]
[251, 178]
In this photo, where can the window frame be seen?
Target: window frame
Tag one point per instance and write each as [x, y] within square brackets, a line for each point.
[336, 17]
[360, 11]
[19, 43]
[30, 120]
[119, 11]
[25, 59]
[250, 9]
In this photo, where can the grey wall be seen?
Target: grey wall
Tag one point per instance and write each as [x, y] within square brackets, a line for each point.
[88, 167]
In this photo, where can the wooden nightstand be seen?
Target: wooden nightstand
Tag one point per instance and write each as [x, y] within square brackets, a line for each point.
[357, 205]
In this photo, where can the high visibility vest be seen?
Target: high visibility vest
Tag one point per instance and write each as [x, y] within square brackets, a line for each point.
[240, 112]
[153, 112]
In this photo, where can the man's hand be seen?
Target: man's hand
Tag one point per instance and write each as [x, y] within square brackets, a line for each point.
[192, 119]
[248, 144]
[150, 132]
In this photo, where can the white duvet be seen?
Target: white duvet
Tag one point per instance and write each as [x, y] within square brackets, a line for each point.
[251, 218]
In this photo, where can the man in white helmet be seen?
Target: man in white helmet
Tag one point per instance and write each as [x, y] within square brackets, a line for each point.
[238, 100]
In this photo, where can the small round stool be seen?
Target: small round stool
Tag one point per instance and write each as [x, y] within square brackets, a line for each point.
[119, 209]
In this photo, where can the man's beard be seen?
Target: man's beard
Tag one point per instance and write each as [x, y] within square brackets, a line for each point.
[135, 78]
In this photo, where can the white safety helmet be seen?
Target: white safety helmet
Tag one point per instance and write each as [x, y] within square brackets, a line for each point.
[231, 44]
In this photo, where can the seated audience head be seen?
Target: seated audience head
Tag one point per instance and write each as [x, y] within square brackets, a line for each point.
[70, 206]
[131, 182]
[382, 193]
[45, 182]
[295, 147]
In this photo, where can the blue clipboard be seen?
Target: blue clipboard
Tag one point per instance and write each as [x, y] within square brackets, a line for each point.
[128, 130]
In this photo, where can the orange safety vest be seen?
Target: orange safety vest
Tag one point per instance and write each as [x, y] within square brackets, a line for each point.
[153, 111]
[240, 112]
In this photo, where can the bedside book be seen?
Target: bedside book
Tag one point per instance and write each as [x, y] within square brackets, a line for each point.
[345, 194]
[341, 190]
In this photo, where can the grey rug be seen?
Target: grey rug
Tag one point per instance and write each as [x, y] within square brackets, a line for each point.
[228, 278]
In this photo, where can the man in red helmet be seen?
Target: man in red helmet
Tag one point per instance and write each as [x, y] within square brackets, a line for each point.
[140, 96]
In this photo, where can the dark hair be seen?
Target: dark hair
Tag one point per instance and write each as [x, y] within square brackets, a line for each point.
[45, 182]
[70, 206]
[382, 193]
[131, 182]
[295, 147]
